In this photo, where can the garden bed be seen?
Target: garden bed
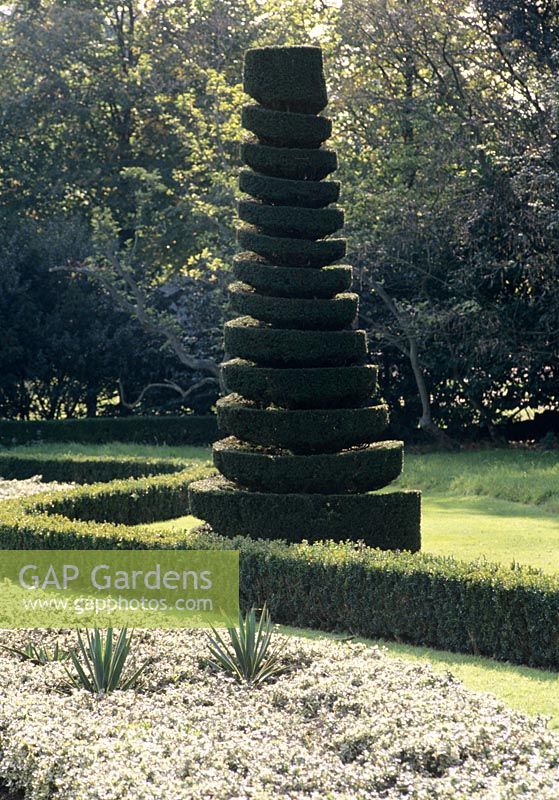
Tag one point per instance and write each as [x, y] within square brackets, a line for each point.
[345, 722]
[12, 489]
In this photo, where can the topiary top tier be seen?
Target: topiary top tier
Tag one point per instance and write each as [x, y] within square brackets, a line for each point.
[299, 417]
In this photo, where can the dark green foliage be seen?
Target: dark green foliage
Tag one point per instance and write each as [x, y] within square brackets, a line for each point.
[285, 129]
[305, 223]
[129, 502]
[300, 387]
[361, 469]
[286, 78]
[388, 521]
[291, 252]
[299, 164]
[257, 341]
[291, 281]
[83, 469]
[190, 429]
[283, 192]
[295, 312]
[301, 431]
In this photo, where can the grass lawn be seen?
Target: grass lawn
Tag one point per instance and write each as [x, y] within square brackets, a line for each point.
[502, 505]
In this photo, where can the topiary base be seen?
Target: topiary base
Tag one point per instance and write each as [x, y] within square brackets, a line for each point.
[388, 521]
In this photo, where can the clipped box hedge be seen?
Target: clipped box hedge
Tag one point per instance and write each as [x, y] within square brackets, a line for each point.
[291, 281]
[294, 163]
[288, 252]
[189, 429]
[305, 223]
[284, 192]
[477, 607]
[285, 129]
[83, 469]
[295, 83]
[300, 387]
[301, 430]
[300, 313]
[360, 469]
[248, 338]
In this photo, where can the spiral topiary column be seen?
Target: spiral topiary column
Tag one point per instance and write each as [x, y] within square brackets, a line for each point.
[304, 451]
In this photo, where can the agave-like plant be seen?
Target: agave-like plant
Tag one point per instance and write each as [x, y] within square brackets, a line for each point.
[248, 656]
[38, 654]
[102, 670]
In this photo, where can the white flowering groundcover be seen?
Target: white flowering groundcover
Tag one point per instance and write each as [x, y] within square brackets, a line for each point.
[346, 721]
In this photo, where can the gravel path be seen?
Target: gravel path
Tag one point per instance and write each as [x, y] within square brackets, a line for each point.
[10, 489]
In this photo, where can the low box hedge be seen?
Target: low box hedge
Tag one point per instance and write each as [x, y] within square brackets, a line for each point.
[301, 430]
[359, 469]
[188, 429]
[83, 469]
[300, 387]
[129, 502]
[303, 223]
[288, 252]
[294, 163]
[511, 614]
[257, 341]
[285, 128]
[286, 78]
[285, 192]
[291, 281]
[301, 313]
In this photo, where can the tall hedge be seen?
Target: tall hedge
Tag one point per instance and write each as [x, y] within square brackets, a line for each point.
[304, 451]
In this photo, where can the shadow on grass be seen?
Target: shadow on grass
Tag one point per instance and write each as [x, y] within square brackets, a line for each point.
[489, 506]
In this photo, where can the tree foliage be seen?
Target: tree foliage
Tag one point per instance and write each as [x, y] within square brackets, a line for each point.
[119, 128]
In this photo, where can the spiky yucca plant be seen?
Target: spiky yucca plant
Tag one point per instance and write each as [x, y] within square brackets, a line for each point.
[248, 655]
[102, 670]
[37, 653]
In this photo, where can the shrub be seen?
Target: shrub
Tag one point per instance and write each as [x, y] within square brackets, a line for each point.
[83, 469]
[248, 338]
[308, 223]
[301, 313]
[291, 281]
[190, 429]
[285, 192]
[293, 83]
[359, 469]
[479, 607]
[300, 387]
[291, 252]
[301, 430]
[284, 128]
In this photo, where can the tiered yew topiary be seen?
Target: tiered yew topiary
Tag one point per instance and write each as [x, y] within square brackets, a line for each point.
[305, 449]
